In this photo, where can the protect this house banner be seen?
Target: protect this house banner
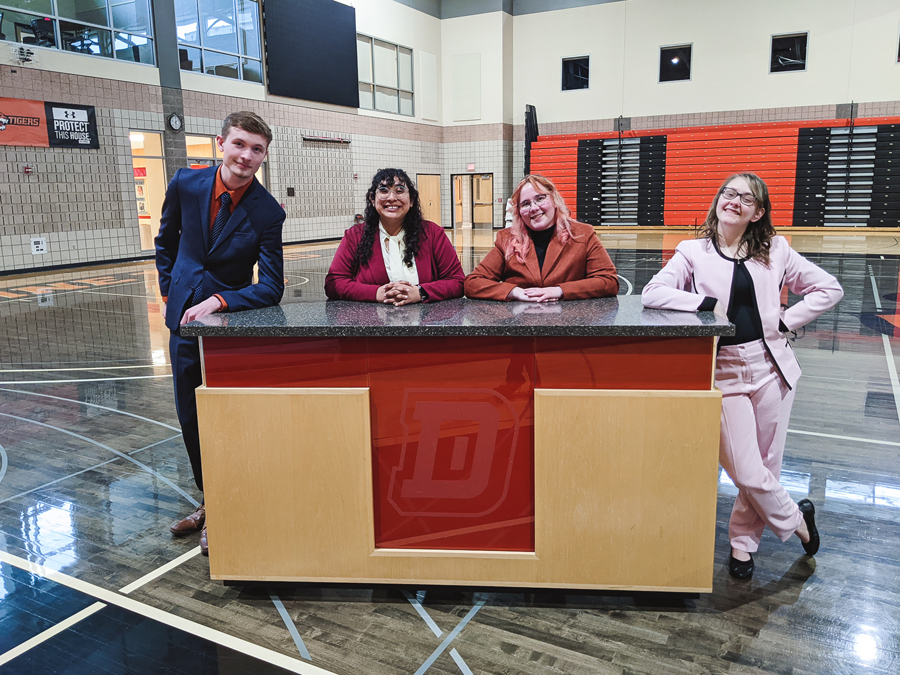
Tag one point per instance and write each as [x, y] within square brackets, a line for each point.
[46, 124]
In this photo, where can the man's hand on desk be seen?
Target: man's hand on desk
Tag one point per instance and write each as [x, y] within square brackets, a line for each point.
[208, 306]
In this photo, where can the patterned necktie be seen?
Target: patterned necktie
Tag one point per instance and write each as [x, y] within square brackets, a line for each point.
[221, 218]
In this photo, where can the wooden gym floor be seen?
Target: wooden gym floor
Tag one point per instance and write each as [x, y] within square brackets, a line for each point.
[93, 471]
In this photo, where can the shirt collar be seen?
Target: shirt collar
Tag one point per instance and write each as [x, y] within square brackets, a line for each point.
[236, 195]
[396, 237]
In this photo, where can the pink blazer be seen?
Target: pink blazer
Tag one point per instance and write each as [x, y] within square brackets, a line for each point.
[697, 271]
[437, 264]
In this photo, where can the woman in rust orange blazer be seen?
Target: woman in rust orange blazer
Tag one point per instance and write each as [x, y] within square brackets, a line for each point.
[545, 256]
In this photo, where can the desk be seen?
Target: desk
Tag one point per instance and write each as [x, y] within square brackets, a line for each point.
[570, 445]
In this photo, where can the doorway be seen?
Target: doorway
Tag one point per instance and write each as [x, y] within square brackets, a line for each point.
[473, 201]
[429, 186]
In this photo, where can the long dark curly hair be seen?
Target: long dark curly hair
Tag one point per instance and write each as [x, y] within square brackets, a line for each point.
[758, 235]
[412, 223]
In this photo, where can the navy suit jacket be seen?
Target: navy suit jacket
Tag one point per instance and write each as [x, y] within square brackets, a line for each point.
[184, 259]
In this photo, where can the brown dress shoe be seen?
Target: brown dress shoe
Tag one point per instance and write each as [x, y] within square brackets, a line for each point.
[204, 542]
[190, 524]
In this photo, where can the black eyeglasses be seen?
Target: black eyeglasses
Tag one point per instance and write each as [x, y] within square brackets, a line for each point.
[747, 198]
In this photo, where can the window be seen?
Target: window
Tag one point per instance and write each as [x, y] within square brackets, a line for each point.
[385, 76]
[788, 53]
[114, 29]
[675, 63]
[575, 73]
[148, 166]
[219, 37]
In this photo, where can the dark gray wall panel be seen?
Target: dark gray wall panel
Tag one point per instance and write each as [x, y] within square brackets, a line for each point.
[311, 51]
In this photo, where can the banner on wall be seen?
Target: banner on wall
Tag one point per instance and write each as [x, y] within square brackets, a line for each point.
[45, 124]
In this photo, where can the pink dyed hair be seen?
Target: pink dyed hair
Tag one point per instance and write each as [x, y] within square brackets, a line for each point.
[519, 242]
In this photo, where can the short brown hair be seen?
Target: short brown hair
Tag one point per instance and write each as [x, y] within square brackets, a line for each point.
[249, 122]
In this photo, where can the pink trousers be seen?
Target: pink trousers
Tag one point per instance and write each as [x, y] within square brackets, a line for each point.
[756, 408]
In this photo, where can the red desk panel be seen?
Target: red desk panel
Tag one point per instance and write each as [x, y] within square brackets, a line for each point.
[453, 418]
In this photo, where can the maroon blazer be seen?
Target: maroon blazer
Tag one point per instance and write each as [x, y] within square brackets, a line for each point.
[440, 273]
[582, 269]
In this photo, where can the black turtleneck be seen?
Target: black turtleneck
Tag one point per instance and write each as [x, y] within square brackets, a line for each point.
[541, 241]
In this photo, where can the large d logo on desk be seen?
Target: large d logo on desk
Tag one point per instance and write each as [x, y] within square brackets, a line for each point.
[457, 462]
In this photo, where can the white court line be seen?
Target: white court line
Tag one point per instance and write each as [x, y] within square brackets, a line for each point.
[99, 379]
[92, 405]
[112, 450]
[450, 638]
[855, 439]
[455, 655]
[888, 353]
[4, 463]
[59, 370]
[50, 632]
[186, 625]
[78, 473]
[630, 286]
[155, 574]
[292, 628]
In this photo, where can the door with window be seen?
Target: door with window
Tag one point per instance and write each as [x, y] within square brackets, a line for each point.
[473, 201]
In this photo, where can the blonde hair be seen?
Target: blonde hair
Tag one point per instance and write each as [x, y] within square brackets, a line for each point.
[519, 241]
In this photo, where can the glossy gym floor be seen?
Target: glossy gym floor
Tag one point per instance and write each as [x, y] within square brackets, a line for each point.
[93, 471]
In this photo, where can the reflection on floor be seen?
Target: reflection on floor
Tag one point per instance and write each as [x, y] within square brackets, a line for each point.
[92, 472]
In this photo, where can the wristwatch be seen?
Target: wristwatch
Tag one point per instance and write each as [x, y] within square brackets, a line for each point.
[423, 294]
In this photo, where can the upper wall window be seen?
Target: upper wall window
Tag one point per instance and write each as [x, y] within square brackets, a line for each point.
[675, 63]
[219, 37]
[576, 73]
[385, 76]
[788, 52]
[115, 29]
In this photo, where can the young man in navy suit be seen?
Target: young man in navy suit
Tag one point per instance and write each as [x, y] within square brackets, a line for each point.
[216, 224]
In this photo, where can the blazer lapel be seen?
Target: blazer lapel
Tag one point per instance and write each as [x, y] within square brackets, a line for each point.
[377, 268]
[554, 252]
[425, 262]
[531, 264]
[239, 215]
[205, 197]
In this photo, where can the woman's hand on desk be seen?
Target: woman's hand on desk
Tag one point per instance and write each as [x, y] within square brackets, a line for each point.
[399, 293]
[550, 294]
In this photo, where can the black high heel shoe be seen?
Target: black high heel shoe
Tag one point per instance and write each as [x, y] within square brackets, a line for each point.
[740, 569]
[809, 516]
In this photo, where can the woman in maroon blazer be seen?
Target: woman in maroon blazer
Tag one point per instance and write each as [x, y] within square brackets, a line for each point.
[545, 255]
[394, 257]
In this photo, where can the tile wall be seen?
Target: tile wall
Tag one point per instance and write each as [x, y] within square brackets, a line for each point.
[82, 201]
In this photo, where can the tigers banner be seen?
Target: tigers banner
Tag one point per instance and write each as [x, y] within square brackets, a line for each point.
[45, 124]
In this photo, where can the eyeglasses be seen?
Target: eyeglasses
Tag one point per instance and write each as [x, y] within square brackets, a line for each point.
[539, 200]
[398, 190]
[747, 198]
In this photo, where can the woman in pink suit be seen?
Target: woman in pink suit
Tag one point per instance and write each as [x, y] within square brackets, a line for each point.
[738, 268]
[394, 257]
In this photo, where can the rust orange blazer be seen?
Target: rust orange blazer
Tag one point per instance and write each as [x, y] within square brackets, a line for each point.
[582, 269]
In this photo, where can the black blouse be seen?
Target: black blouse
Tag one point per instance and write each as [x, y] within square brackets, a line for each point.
[541, 241]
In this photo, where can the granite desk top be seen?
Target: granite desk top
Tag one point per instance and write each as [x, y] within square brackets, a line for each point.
[617, 316]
